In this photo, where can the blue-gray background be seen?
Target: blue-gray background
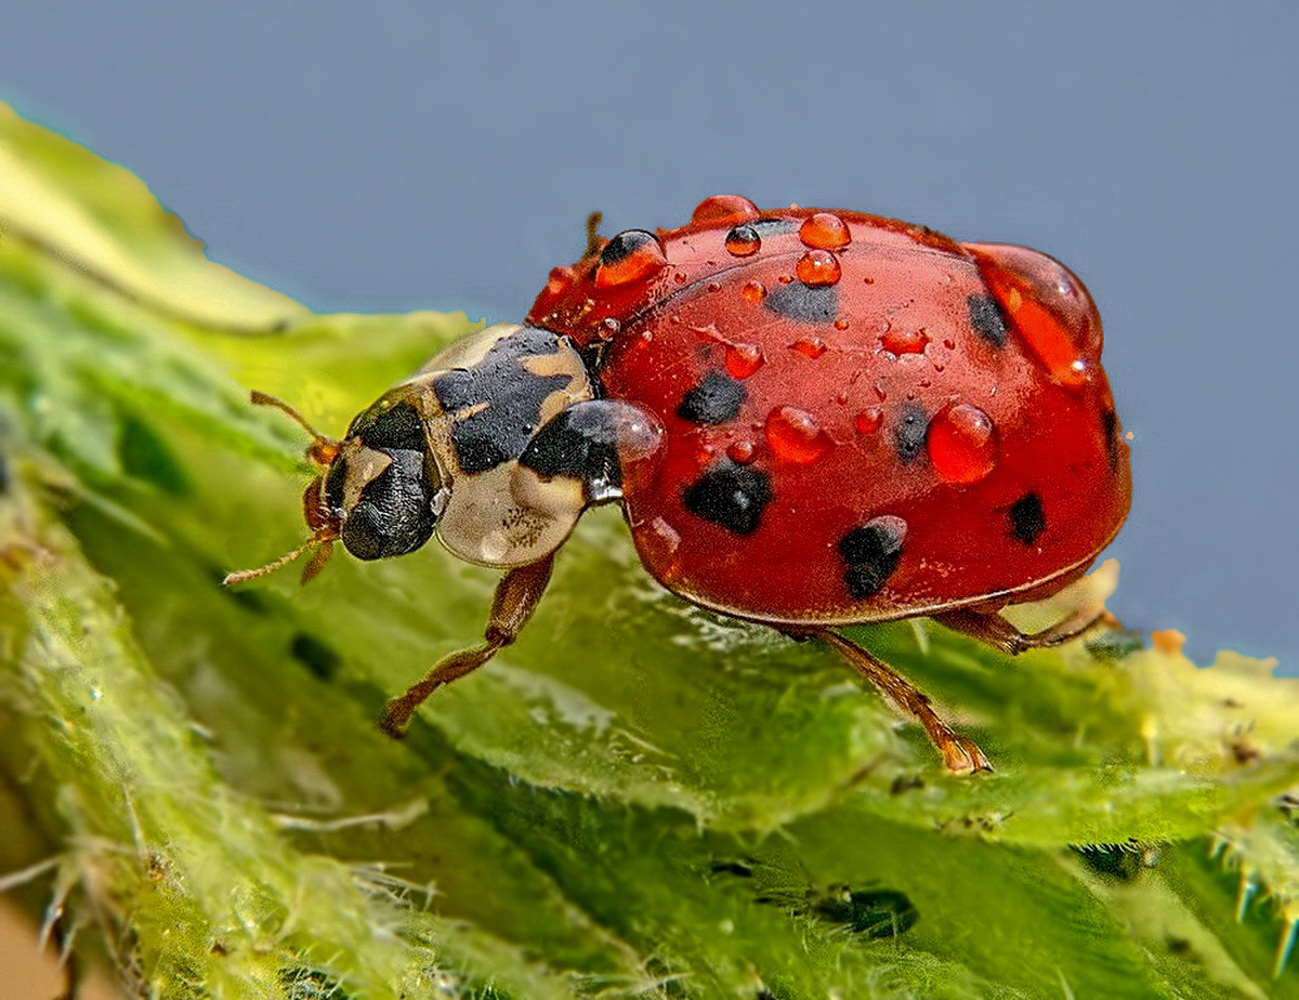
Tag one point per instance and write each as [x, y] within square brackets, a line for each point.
[396, 155]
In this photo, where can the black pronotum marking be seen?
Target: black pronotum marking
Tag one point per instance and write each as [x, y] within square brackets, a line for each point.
[510, 397]
[804, 303]
[987, 320]
[394, 514]
[872, 552]
[909, 432]
[715, 400]
[624, 245]
[1027, 520]
[730, 495]
[395, 427]
[581, 441]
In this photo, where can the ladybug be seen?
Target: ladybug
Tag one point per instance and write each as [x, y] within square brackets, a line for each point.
[810, 419]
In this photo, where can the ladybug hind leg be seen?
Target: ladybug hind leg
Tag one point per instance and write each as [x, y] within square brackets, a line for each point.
[517, 596]
[961, 755]
[995, 631]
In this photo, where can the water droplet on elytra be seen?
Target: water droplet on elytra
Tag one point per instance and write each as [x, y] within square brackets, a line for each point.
[753, 291]
[809, 347]
[795, 436]
[824, 231]
[962, 443]
[904, 341]
[841, 324]
[722, 209]
[818, 267]
[868, 420]
[559, 280]
[741, 452]
[742, 360]
[631, 256]
[742, 241]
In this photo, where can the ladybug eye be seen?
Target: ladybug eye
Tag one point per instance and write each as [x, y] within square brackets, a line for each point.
[395, 512]
[1045, 304]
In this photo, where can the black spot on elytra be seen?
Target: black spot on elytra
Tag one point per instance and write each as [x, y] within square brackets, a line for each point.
[804, 303]
[730, 495]
[909, 432]
[319, 658]
[582, 442]
[624, 245]
[987, 320]
[394, 514]
[773, 227]
[1027, 519]
[1110, 428]
[391, 427]
[510, 397]
[872, 552]
[715, 400]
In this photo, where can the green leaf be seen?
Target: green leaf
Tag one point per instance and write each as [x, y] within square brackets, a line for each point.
[638, 798]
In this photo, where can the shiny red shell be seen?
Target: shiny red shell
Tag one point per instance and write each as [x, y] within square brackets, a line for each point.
[919, 424]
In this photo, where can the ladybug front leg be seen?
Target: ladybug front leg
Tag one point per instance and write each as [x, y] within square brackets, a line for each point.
[997, 632]
[517, 596]
[961, 755]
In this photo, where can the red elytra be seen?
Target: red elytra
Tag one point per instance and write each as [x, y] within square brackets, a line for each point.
[1009, 496]
[811, 418]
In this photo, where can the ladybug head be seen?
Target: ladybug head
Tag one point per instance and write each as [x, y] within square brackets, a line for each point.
[380, 493]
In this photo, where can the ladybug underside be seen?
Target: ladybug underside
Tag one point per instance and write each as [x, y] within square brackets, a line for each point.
[852, 434]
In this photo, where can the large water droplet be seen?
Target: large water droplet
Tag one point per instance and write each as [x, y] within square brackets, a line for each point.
[818, 267]
[724, 209]
[824, 231]
[631, 256]
[809, 347]
[795, 436]
[962, 443]
[904, 341]
[742, 241]
[742, 360]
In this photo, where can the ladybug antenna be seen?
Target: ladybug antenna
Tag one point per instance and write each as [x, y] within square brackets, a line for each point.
[324, 546]
[322, 449]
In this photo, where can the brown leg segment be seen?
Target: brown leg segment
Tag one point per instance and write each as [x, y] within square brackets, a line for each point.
[517, 596]
[961, 755]
[997, 632]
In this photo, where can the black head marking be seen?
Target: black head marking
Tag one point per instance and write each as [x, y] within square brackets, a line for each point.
[510, 397]
[715, 400]
[394, 514]
[582, 442]
[872, 552]
[804, 303]
[733, 496]
[385, 427]
[909, 432]
[1027, 519]
[987, 320]
[625, 244]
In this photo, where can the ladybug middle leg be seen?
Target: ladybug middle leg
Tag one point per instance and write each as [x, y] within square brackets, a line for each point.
[517, 596]
[961, 755]
[997, 632]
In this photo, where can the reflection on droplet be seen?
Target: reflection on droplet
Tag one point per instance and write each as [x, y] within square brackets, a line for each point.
[742, 360]
[724, 209]
[631, 256]
[795, 436]
[742, 241]
[904, 341]
[824, 231]
[818, 267]
[962, 443]
[809, 347]
[868, 420]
